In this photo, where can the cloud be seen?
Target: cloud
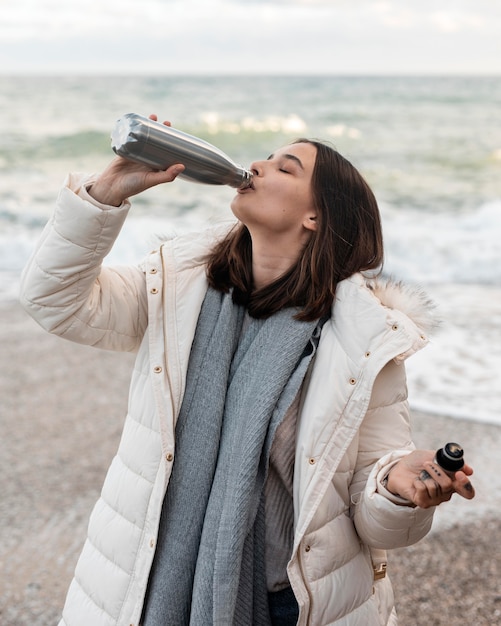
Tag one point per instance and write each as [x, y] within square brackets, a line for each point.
[43, 19]
[451, 22]
[291, 36]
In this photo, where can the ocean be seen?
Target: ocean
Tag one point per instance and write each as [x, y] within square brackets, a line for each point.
[429, 147]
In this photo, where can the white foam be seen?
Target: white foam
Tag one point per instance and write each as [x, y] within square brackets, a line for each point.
[459, 372]
[444, 247]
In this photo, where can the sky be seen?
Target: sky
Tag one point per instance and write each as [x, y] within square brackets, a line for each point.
[361, 37]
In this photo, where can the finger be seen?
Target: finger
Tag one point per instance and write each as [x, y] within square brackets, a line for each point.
[463, 486]
[426, 484]
[437, 483]
[441, 477]
[467, 469]
[422, 497]
[423, 475]
[168, 175]
[175, 169]
[428, 492]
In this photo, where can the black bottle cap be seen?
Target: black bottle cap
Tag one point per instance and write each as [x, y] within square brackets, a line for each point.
[450, 457]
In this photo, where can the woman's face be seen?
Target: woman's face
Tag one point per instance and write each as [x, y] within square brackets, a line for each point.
[280, 200]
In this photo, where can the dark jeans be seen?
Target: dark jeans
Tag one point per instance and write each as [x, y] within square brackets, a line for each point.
[284, 609]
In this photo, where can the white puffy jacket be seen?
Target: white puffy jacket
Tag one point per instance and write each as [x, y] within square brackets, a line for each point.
[353, 421]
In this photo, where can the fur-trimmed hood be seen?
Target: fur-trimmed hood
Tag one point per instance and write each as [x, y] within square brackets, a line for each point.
[411, 300]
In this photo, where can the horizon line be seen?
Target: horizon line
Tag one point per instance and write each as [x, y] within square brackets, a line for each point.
[233, 74]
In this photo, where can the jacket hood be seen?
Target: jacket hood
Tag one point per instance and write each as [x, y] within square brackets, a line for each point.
[411, 300]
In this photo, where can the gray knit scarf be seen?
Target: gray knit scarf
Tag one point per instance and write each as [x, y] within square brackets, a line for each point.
[209, 567]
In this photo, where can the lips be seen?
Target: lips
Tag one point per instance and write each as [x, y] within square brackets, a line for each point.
[246, 189]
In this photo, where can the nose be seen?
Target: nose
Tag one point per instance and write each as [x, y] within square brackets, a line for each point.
[257, 168]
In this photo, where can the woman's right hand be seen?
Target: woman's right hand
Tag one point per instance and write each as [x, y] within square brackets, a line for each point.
[123, 178]
[418, 478]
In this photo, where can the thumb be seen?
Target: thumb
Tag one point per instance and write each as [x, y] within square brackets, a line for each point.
[173, 171]
[463, 486]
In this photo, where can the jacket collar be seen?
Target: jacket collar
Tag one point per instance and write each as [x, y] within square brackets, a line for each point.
[411, 300]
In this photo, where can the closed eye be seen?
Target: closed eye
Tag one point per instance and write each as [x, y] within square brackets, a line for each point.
[289, 157]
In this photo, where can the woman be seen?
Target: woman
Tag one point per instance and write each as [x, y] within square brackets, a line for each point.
[266, 462]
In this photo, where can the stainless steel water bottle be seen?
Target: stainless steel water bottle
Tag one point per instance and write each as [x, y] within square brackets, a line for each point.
[140, 139]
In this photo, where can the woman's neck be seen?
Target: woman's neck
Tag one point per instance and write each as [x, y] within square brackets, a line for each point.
[272, 259]
[266, 270]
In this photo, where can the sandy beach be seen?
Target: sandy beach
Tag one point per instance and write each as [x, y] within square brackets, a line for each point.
[61, 412]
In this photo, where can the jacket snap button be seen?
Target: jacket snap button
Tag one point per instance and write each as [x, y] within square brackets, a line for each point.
[157, 369]
[307, 548]
[154, 290]
[169, 456]
[367, 354]
[352, 381]
[152, 543]
[394, 327]
[312, 461]
[153, 270]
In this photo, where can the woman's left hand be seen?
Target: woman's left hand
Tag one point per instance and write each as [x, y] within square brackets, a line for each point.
[123, 178]
[424, 483]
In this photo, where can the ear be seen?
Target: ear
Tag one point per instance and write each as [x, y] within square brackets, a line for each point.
[310, 221]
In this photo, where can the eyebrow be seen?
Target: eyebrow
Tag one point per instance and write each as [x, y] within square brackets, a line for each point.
[291, 157]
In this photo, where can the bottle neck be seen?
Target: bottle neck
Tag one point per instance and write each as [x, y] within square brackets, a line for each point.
[246, 179]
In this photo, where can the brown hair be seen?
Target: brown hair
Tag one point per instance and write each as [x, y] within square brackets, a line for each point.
[348, 239]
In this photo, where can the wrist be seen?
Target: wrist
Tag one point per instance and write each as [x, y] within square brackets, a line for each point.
[103, 196]
[389, 485]
[391, 493]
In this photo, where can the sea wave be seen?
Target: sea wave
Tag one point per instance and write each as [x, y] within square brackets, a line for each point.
[17, 151]
[459, 248]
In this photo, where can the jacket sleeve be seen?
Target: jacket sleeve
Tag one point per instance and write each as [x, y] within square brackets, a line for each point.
[64, 286]
[382, 520]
